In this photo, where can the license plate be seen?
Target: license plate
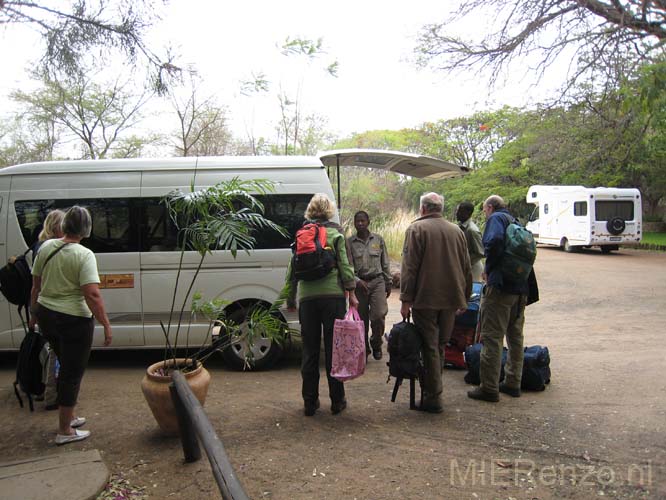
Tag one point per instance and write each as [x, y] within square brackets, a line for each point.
[615, 238]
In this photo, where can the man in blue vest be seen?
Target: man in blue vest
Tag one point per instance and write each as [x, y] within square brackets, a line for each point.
[502, 311]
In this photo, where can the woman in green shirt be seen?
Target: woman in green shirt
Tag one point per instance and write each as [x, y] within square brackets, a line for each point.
[320, 303]
[65, 297]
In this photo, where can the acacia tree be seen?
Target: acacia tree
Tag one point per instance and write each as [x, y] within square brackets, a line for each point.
[202, 124]
[255, 86]
[71, 32]
[597, 34]
[470, 141]
[291, 109]
[23, 141]
[95, 115]
[315, 135]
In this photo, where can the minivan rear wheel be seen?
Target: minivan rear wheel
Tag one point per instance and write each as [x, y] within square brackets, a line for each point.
[264, 351]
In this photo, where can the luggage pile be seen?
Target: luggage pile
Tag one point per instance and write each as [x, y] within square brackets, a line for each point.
[464, 350]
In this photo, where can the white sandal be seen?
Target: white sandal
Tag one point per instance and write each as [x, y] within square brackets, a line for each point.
[78, 435]
[78, 422]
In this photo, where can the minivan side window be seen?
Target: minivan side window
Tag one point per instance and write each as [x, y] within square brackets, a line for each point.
[157, 233]
[113, 231]
[286, 210]
[144, 225]
[580, 208]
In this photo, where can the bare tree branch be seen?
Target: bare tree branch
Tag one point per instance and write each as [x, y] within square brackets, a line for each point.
[546, 29]
[70, 34]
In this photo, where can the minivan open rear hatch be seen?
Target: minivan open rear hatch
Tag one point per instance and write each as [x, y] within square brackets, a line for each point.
[410, 164]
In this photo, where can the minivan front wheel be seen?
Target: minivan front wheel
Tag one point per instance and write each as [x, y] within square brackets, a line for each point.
[239, 355]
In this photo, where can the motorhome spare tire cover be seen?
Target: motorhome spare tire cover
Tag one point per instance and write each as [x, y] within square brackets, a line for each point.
[616, 225]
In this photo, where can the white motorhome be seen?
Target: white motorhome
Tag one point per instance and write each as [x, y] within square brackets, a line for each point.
[135, 240]
[572, 217]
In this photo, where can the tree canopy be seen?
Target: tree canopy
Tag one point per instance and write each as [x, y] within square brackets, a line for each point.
[70, 32]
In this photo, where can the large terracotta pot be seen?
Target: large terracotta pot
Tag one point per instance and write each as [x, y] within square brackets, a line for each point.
[156, 391]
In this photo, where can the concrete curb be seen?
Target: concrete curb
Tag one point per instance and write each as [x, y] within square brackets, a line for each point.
[76, 475]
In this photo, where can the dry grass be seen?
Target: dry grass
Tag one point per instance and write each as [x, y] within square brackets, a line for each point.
[393, 231]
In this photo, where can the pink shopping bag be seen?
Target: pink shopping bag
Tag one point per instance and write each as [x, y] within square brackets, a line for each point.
[348, 347]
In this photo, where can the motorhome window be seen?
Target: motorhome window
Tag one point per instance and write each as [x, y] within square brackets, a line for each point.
[112, 222]
[545, 208]
[606, 210]
[580, 208]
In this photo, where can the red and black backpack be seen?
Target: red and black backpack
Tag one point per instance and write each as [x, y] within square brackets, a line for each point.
[313, 258]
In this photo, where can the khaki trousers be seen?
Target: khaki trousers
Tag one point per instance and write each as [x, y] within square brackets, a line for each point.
[435, 326]
[502, 314]
[373, 307]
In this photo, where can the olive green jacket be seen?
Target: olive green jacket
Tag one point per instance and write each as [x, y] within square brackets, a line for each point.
[334, 284]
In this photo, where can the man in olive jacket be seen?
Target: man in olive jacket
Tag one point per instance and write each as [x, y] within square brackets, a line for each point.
[435, 284]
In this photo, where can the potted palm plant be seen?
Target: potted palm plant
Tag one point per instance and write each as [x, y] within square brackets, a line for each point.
[220, 217]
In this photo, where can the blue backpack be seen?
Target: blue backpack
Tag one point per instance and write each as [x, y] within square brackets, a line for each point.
[536, 367]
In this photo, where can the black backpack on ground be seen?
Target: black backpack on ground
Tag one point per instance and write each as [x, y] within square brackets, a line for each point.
[405, 358]
[29, 369]
[313, 258]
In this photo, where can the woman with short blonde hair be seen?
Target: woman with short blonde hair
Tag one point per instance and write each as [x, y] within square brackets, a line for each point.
[321, 207]
[52, 227]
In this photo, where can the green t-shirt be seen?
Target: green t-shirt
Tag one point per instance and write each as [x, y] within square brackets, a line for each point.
[64, 275]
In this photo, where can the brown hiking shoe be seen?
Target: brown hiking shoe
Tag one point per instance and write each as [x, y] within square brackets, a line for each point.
[482, 395]
[509, 390]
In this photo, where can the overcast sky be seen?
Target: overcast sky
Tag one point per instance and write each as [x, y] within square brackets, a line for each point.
[378, 86]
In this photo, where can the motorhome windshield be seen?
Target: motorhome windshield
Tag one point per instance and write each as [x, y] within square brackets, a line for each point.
[606, 210]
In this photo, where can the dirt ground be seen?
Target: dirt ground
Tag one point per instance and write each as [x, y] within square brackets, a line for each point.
[599, 429]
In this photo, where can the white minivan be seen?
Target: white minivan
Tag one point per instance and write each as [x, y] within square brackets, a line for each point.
[135, 241]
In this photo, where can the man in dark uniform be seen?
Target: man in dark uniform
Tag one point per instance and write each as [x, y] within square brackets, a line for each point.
[464, 213]
[373, 280]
